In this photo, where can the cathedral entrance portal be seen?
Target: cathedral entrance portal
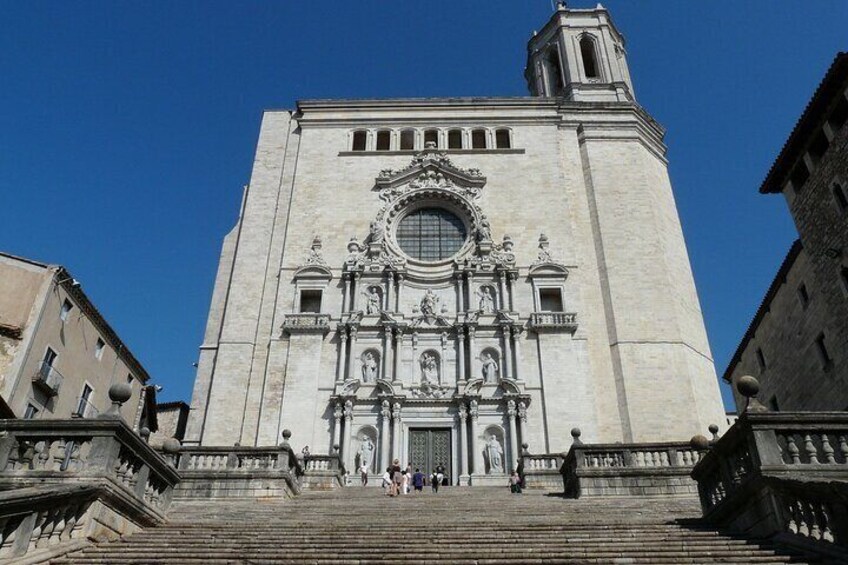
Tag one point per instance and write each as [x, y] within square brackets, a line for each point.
[430, 447]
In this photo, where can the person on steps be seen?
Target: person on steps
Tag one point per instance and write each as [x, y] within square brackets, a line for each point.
[418, 481]
[363, 475]
[434, 481]
[387, 481]
[397, 477]
[514, 482]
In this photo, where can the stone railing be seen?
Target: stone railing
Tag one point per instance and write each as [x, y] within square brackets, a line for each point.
[227, 472]
[306, 323]
[553, 321]
[660, 469]
[541, 471]
[69, 465]
[323, 472]
[782, 476]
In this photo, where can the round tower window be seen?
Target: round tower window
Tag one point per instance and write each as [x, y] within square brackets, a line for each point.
[431, 234]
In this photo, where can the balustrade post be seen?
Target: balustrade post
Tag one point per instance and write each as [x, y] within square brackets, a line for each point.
[764, 448]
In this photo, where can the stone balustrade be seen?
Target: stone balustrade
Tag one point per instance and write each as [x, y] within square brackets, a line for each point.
[658, 469]
[95, 473]
[224, 472]
[323, 472]
[541, 471]
[306, 323]
[782, 476]
[553, 321]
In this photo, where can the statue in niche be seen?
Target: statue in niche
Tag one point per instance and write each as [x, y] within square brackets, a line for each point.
[375, 234]
[484, 232]
[369, 368]
[490, 367]
[429, 368]
[366, 452]
[372, 300]
[494, 452]
[487, 300]
[429, 303]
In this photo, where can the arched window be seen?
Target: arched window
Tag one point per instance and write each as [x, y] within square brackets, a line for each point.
[590, 61]
[840, 197]
[455, 139]
[407, 139]
[359, 140]
[554, 71]
[478, 139]
[431, 135]
[384, 139]
[502, 139]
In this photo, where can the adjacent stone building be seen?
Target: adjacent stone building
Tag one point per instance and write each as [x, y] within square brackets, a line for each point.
[442, 280]
[58, 356]
[797, 344]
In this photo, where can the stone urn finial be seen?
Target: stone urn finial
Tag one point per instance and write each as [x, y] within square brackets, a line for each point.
[286, 437]
[144, 433]
[525, 449]
[749, 387]
[119, 393]
[171, 447]
[699, 443]
[575, 436]
[507, 243]
[713, 428]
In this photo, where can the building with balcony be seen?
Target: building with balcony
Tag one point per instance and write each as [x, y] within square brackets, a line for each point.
[797, 343]
[58, 356]
[441, 280]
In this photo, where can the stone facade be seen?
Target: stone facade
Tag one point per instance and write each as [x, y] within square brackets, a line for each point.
[568, 300]
[797, 344]
[43, 309]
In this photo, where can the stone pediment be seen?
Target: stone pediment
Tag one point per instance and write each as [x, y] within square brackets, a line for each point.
[548, 269]
[313, 272]
[429, 169]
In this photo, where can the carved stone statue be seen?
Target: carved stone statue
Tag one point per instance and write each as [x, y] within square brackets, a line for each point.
[494, 452]
[487, 302]
[490, 368]
[429, 368]
[429, 303]
[484, 232]
[372, 300]
[369, 368]
[375, 233]
[366, 453]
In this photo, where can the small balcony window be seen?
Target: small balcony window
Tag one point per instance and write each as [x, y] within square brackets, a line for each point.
[550, 300]
[407, 140]
[85, 409]
[455, 139]
[359, 140]
[431, 136]
[478, 139]
[310, 301]
[502, 139]
[384, 139]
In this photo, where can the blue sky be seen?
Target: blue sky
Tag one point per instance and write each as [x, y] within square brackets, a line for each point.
[127, 128]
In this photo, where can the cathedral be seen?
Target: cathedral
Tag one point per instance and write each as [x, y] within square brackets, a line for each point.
[441, 281]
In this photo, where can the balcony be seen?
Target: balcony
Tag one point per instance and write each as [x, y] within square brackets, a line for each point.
[85, 409]
[306, 323]
[47, 379]
[553, 322]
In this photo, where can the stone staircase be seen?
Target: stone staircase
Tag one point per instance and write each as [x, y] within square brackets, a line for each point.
[457, 525]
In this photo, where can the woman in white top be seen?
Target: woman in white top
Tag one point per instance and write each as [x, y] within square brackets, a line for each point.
[387, 481]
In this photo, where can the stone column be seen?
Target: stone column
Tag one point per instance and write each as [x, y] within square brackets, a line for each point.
[352, 357]
[460, 336]
[337, 426]
[463, 444]
[506, 362]
[475, 455]
[399, 293]
[469, 279]
[522, 418]
[390, 291]
[355, 301]
[414, 355]
[340, 376]
[460, 300]
[503, 302]
[387, 345]
[347, 456]
[385, 432]
[396, 431]
[346, 305]
[517, 332]
[442, 357]
[513, 436]
[472, 358]
[398, 352]
[511, 286]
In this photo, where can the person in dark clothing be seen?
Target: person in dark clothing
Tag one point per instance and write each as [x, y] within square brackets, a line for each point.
[434, 481]
[418, 481]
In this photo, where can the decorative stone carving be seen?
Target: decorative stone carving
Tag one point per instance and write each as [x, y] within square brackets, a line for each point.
[544, 255]
[337, 411]
[373, 300]
[375, 232]
[429, 390]
[385, 409]
[315, 256]
[494, 454]
[489, 367]
[370, 367]
[429, 303]
[473, 409]
[486, 298]
[348, 409]
[429, 367]
[522, 411]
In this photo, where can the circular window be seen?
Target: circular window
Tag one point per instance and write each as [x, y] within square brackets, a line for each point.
[431, 234]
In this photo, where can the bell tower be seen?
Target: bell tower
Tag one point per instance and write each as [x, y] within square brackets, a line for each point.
[579, 55]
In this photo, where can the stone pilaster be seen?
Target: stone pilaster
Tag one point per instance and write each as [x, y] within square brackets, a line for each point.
[399, 293]
[503, 301]
[337, 424]
[513, 436]
[385, 433]
[476, 456]
[396, 431]
[346, 307]
[460, 336]
[517, 332]
[351, 356]
[398, 335]
[340, 374]
[506, 365]
[462, 415]
[347, 456]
